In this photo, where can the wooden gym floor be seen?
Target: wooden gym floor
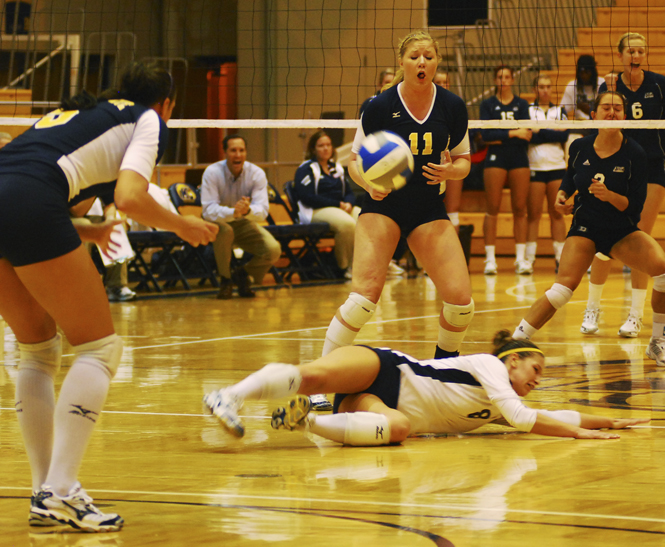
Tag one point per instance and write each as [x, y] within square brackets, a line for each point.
[177, 479]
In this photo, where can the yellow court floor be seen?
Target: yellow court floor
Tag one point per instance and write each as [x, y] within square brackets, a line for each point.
[178, 479]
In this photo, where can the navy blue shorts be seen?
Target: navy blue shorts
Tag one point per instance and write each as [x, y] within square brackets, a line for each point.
[507, 157]
[34, 221]
[387, 382]
[604, 237]
[409, 207]
[547, 176]
[656, 171]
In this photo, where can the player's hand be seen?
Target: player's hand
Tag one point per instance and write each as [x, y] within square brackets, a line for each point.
[560, 204]
[196, 231]
[599, 190]
[595, 434]
[376, 194]
[438, 173]
[621, 423]
[611, 79]
[101, 234]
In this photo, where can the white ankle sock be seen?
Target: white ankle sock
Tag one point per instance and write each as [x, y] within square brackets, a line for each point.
[520, 251]
[558, 249]
[638, 300]
[274, 381]
[490, 253]
[658, 328]
[79, 405]
[524, 331]
[328, 426]
[531, 248]
[595, 294]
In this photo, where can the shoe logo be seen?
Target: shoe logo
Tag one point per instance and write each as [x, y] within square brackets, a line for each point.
[586, 163]
[379, 431]
[619, 169]
[84, 413]
[397, 114]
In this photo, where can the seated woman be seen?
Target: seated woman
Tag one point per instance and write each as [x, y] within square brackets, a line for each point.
[384, 395]
[324, 195]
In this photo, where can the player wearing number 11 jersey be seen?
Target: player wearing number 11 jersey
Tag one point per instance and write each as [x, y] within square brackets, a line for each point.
[434, 124]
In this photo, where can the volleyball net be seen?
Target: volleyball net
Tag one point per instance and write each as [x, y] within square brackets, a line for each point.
[278, 70]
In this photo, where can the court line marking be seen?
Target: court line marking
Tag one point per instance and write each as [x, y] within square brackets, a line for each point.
[475, 508]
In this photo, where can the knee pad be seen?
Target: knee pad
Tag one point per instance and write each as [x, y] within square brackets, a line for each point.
[659, 283]
[357, 310]
[458, 316]
[104, 353]
[366, 429]
[44, 357]
[559, 295]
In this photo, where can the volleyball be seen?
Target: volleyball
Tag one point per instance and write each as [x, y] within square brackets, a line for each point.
[385, 161]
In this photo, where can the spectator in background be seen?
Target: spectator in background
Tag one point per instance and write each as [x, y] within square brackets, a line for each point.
[441, 78]
[580, 94]
[324, 195]
[385, 78]
[234, 195]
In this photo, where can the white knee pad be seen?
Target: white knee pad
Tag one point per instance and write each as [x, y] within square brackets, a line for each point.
[366, 429]
[44, 357]
[357, 310]
[659, 283]
[279, 380]
[458, 316]
[104, 353]
[558, 295]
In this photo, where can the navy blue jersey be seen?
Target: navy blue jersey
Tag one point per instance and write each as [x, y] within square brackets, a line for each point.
[82, 152]
[624, 172]
[645, 104]
[494, 109]
[444, 128]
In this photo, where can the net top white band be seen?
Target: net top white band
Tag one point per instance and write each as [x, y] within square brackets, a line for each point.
[353, 124]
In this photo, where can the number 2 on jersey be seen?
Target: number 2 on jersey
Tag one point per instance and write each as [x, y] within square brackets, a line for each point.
[413, 141]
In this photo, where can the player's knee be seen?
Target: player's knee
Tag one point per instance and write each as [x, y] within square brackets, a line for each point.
[659, 283]
[104, 353]
[559, 295]
[44, 357]
[459, 316]
[357, 310]
[367, 429]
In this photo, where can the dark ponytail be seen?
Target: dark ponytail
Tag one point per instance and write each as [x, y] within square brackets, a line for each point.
[144, 84]
[81, 101]
[505, 345]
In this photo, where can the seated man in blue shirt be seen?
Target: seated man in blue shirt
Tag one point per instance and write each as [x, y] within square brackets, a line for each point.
[234, 195]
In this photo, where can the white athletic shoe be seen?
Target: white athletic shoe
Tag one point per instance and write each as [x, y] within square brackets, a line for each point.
[631, 328]
[490, 267]
[75, 510]
[226, 406]
[590, 322]
[320, 403]
[523, 267]
[656, 350]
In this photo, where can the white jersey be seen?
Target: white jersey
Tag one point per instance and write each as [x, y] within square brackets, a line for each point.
[548, 156]
[459, 394]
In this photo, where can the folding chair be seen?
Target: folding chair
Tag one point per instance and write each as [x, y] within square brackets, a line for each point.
[305, 260]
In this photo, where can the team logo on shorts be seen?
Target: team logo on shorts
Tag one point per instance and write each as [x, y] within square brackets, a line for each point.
[619, 169]
[492, 157]
[581, 228]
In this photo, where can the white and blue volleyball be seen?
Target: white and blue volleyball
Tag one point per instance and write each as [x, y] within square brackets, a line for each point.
[385, 161]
